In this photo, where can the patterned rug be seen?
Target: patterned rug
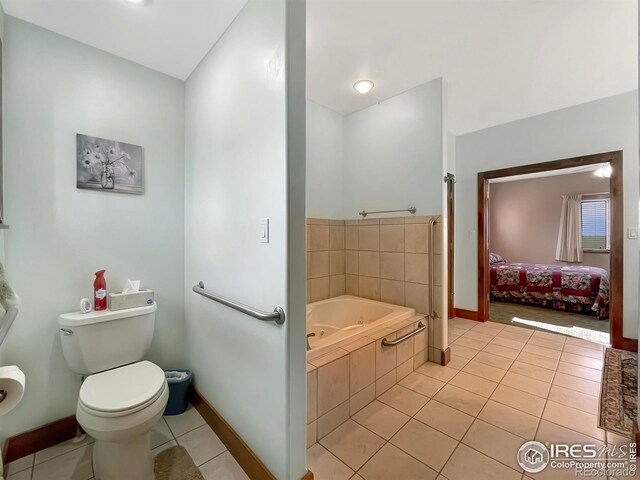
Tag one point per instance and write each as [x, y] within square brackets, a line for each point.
[619, 395]
[175, 464]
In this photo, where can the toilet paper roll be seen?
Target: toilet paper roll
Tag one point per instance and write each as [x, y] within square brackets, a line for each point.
[12, 383]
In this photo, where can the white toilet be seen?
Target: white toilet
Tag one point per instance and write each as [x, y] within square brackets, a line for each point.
[122, 397]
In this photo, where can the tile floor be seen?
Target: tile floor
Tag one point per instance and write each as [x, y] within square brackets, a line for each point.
[71, 460]
[503, 386]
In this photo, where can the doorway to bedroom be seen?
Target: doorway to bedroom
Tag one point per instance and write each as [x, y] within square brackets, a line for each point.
[550, 246]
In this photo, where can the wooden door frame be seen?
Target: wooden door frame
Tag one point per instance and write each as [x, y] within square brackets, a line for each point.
[450, 244]
[616, 252]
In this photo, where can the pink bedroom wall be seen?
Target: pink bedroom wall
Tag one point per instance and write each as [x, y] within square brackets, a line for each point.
[525, 217]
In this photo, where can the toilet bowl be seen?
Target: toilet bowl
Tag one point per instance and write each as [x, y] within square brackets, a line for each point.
[118, 408]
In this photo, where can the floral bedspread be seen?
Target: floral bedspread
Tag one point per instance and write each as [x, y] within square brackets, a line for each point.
[561, 287]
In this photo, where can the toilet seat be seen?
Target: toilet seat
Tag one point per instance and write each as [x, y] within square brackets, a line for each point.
[122, 391]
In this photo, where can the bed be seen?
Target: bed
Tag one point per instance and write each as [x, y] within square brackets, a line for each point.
[561, 287]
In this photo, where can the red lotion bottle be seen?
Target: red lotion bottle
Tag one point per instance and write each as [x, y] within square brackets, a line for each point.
[100, 291]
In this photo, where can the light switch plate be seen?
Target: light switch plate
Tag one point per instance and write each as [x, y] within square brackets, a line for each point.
[264, 230]
[632, 232]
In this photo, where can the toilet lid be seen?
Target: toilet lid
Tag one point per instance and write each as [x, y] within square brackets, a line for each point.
[123, 388]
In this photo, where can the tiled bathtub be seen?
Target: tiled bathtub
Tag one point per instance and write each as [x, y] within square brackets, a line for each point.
[346, 375]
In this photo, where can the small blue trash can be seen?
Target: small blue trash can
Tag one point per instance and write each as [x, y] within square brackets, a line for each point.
[178, 381]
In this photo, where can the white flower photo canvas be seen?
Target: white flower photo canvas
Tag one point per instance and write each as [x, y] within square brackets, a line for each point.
[109, 165]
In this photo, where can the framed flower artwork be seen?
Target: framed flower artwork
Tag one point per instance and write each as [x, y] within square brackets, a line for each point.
[109, 165]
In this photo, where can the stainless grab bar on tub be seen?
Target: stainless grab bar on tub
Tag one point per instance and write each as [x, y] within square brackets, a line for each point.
[364, 213]
[391, 343]
[276, 316]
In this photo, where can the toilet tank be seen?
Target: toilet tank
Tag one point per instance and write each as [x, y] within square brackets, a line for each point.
[97, 341]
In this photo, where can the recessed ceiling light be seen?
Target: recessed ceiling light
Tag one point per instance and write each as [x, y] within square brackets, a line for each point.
[363, 86]
[136, 1]
[604, 171]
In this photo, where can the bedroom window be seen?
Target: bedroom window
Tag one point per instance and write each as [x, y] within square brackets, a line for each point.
[595, 223]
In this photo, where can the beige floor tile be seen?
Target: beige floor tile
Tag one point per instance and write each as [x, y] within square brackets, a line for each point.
[324, 465]
[403, 399]
[474, 384]
[494, 442]
[509, 342]
[462, 351]
[579, 371]
[461, 399]
[526, 384]
[19, 465]
[422, 384]
[202, 444]
[391, 462]
[519, 400]
[538, 360]
[73, 465]
[462, 323]
[572, 398]
[502, 351]
[224, 466]
[62, 448]
[554, 344]
[476, 335]
[457, 362]
[577, 384]
[22, 475]
[493, 360]
[163, 447]
[444, 418]
[424, 443]
[542, 351]
[554, 433]
[532, 371]
[574, 419]
[470, 343]
[484, 370]
[355, 477]
[433, 370]
[581, 360]
[584, 343]
[585, 352]
[527, 332]
[381, 419]
[185, 422]
[352, 443]
[467, 463]
[509, 419]
[160, 434]
[336, 417]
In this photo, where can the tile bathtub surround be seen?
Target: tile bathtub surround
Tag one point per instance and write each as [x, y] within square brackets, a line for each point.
[383, 259]
[71, 460]
[346, 380]
[467, 420]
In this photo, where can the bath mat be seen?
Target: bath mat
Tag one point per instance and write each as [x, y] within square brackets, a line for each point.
[175, 464]
[619, 394]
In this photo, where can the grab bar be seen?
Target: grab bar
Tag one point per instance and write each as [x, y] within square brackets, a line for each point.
[391, 343]
[277, 315]
[364, 213]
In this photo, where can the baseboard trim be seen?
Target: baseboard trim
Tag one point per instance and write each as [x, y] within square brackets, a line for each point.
[445, 356]
[250, 463]
[308, 476]
[468, 314]
[39, 438]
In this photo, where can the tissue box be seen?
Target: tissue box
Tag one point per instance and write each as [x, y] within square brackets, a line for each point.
[120, 301]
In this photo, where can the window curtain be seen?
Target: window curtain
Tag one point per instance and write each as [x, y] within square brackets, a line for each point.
[569, 247]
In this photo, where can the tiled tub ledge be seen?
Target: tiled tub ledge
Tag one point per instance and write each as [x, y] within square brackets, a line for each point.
[348, 378]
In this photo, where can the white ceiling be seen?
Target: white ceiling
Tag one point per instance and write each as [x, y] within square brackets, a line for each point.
[170, 36]
[550, 173]
[503, 59]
